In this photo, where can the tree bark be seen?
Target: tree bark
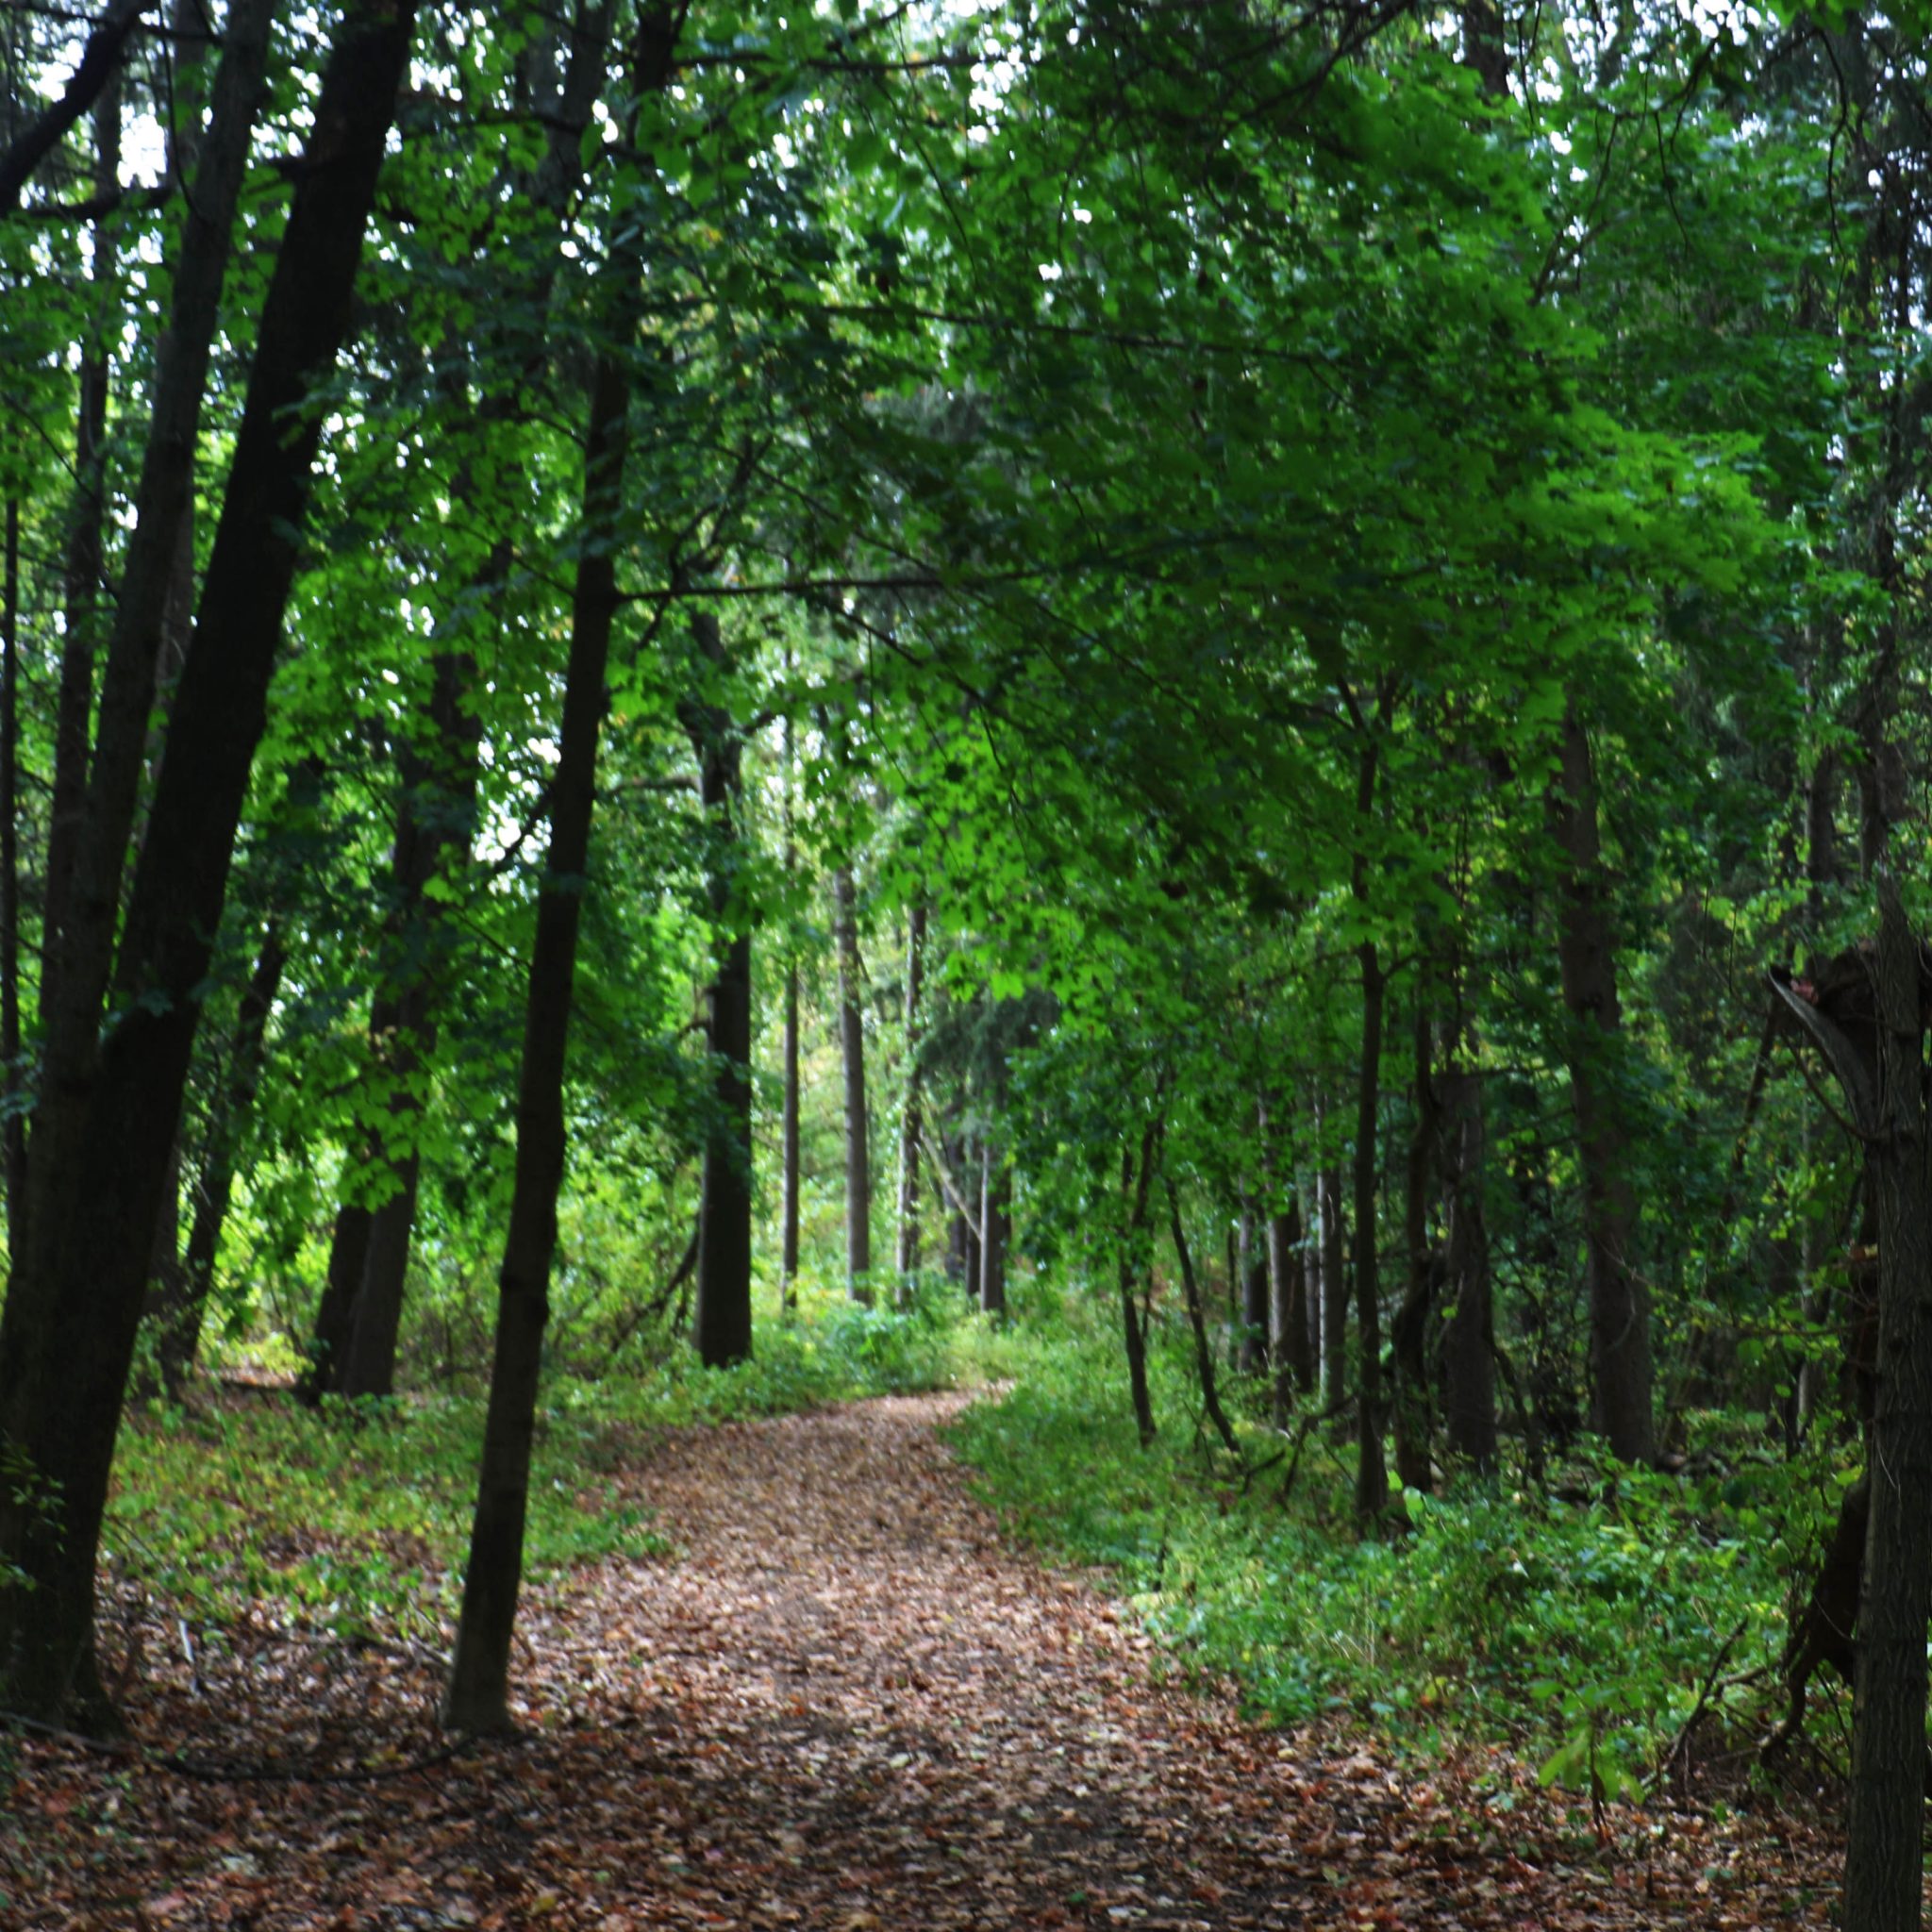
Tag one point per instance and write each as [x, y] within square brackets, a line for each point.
[1288, 1318]
[181, 1317]
[722, 1328]
[1469, 1368]
[1408, 1337]
[1197, 1321]
[1619, 1301]
[852, 1050]
[437, 794]
[13, 1095]
[1251, 1247]
[788, 1262]
[78, 946]
[994, 1229]
[1137, 1180]
[67, 1334]
[1331, 1247]
[911, 1123]
[98, 68]
[86, 549]
[1883, 1860]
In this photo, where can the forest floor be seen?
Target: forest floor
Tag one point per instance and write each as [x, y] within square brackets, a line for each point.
[843, 1703]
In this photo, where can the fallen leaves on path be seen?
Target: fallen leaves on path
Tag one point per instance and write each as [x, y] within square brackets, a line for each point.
[845, 1704]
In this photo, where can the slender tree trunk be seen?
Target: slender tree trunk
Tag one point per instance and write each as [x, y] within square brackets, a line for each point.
[86, 545]
[478, 1697]
[1884, 1859]
[789, 1232]
[1408, 1337]
[723, 1327]
[1251, 1250]
[1288, 1320]
[1197, 1321]
[994, 1229]
[1372, 1475]
[1331, 1247]
[12, 1096]
[912, 1125]
[437, 786]
[1469, 1370]
[67, 1334]
[788, 1262]
[852, 1048]
[1619, 1301]
[1137, 1179]
[181, 1323]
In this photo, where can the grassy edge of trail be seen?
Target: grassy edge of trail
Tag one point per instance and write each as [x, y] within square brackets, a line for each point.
[1579, 1625]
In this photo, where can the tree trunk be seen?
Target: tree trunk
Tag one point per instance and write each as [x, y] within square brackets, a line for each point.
[1469, 1368]
[478, 1697]
[852, 1048]
[181, 1323]
[1136, 1181]
[1288, 1319]
[438, 794]
[910, 1125]
[994, 1229]
[1409, 1338]
[86, 545]
[722, 1328]
[789, 1213]
[1331, 1247]
[1884, 1859]
[13, 1095]
[1372, 1475]
[1197, 1321]
[788, 1262]
[1251, 1248]
[1619, 1301]
[94, 1185]
[79, 933]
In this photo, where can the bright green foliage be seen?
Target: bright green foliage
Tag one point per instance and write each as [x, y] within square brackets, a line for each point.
[1582, 1632]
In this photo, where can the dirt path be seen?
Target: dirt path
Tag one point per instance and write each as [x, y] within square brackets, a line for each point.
[845, 1704]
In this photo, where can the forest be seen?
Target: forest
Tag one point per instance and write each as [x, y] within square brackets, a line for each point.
[1142, 785]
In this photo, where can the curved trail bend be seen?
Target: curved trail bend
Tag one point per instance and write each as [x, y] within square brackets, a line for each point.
[843, 1704]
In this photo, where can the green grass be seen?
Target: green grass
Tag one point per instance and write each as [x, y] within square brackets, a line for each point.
[355, 1519]
[1582, 1633]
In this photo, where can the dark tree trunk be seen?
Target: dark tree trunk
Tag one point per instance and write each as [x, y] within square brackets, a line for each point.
[1884, 1859]
[13, 1094]
[722, 1328]
[1251, 1251]
[1197, 1321]
[1137, 1179]
[478, 1697]
[1619, 1301]
[994, 1229]
[438, 787]
[1372, 1475]
[1469, 1370]
[1288, 1315]
[851, 1052]
[79, 935]
[911, 1124]
[787, 1251]
[789, 1212]
[1331, 1247]
[1410, 1335]
[85, 547]
[335, 1313]
[181, 1317]
[94, 1185]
